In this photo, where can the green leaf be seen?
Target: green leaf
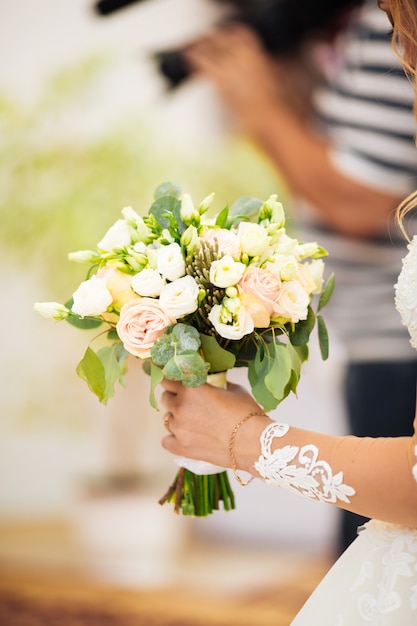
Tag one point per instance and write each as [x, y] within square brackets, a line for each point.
[221, 219]
[303, 328]
[114, 360]
[220, 359]
[323, 338]
[279, 371]
[327, 292]
[156, 377]
[256, 377]
[91, 369]
[190, 368]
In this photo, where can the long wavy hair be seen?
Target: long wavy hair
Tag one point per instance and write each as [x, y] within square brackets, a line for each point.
[404, 41]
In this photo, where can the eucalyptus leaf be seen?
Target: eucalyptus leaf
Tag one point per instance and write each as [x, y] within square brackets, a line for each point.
[91, 369]
[163, 208]
[167, 189]
[163, 349]
[190, 368]
[188, 337]
[245, 206]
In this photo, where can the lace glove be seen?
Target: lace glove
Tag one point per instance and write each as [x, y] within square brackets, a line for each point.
[375, 477]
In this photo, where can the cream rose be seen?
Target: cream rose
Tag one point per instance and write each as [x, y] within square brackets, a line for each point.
[148, 282]
[118, 283]
[227, 241]
[261, 284]
[180, 297]
[254, 239]
[293, 302]
[257, 311]
[92, 297]
[170, 261]
[228, 325]
[140, 324]
[226, 272]
[118, 236]
[316, 270]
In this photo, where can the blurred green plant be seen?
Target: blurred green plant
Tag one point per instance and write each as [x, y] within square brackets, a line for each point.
[59, 189]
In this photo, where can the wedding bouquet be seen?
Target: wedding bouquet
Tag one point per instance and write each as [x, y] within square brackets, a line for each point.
[193, 296]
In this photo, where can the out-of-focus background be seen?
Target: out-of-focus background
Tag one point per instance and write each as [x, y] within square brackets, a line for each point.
[88, 126]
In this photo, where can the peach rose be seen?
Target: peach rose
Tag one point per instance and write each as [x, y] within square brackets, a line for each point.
[261, 284]
[141, 322]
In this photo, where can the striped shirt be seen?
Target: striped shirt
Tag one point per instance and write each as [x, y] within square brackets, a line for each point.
[366, 114]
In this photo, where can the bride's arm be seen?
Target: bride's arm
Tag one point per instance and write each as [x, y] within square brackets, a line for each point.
[372, 477]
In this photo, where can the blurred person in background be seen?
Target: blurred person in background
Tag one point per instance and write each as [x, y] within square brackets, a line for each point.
[345, 146]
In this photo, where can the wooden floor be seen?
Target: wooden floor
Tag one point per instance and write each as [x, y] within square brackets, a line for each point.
[52, 595]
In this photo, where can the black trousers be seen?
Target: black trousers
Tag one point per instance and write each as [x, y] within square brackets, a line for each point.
[381, 402]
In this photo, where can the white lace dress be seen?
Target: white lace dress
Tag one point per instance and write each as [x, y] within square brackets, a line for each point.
[374, 583]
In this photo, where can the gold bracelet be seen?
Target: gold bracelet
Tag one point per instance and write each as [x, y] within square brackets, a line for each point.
[232, 444]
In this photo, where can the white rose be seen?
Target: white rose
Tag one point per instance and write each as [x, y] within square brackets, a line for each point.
[286, 267]
[118, 236]
[226, 272]
[286, 245]
[148, 282]
[292, 302]
[92, 297]
[253, 238]
[170, 261]
[231, 326]
[179, 297]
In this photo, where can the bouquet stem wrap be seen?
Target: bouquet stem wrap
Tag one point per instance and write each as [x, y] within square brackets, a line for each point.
[199, 486]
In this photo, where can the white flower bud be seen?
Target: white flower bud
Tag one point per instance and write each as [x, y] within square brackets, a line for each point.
[52, 310]
[83, 256]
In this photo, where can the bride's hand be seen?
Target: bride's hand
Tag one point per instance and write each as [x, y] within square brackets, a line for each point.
[200, 422]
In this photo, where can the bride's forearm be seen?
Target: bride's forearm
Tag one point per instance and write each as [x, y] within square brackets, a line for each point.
[372, 477]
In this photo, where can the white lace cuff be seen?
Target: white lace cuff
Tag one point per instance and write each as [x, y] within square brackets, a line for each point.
[299, 469]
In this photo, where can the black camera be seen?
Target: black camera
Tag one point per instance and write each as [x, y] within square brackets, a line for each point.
[281, 25]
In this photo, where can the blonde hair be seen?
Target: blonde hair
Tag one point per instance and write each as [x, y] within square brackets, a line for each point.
[404, 41]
